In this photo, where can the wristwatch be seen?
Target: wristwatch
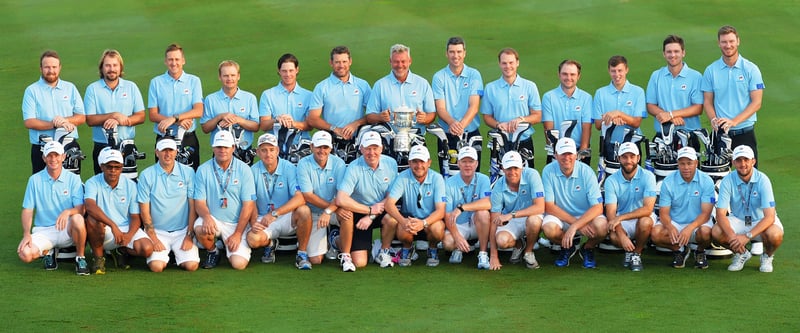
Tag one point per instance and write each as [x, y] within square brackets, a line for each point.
[177, 119]
[424, 224]
[274, 213]
[332, 128]
[749, 235]
[460, 207]
[514, 214]
[328, 211]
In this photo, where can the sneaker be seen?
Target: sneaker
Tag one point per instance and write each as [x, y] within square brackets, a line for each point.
[49, 259]
[516, 253]
[384, 258]
[700, 260]
[433, 257]
[346, 262]
[739, 260]
[99, 266]
[81, 267]
[588, 258]
[333, 250]
[211, 260]
[756, 248]
[564, 255]
[627, 262]
[636, 262]
[766, 263]
[121, 258]
[679, 257]
[405, 257]
[483, 260]
[456, 256]
[269, 252]
[301, 261]
[530, 260]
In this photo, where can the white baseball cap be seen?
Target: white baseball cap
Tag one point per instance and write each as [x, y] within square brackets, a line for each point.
[109, 155]
[166, 143]
[371, 138]
[468, 151]
[512, 159]
[628, 147]
[687, 152]
[322, 138]
[419, 152]
[565, 145]
[52, 147]
[268, 138]
[223, 139]
[743, 151]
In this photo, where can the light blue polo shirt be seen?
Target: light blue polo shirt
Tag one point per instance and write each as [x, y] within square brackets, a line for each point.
[208, 187]
[43, 102]
[341, 102]
[173, 97]
[558, 107]
[505, 101]
[743, 199]
[242, 104]
[48, 197]
[630, 100]
[118, 203]
[418, 200]
[460, 193]
[278, 101]
[685, 199]
[574, 194]
[125, 99]
[731, 87]
[456, 90]
[505, 201]
[168, 195]
[629, 195]
[675, 93]
[321, 181]
[389, 93]
[367, 186]
[276, 189]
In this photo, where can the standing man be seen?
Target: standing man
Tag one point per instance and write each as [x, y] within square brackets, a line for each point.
[165, 192]
[339, 101]
[224, 194]
[317, 176]
[620, 103]
[280, 207]
[673, 92]
[423, 203]
[53, 206]
[286, 104]
[112, 104]
[746, 211]
[230, 106]
[468, 205]
[363, 194]
[48, 105]
[175, 99]
[114, 221]
[511, 100]
[630, 197]
[685, 203]
[732, 91]
[573, 204]
[567, 102]
[457, 91]
[517, 210]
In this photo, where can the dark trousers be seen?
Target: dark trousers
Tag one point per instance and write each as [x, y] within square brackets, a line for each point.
[747, 138]
[37, 161]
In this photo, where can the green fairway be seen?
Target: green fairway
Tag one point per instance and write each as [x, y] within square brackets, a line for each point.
[447, 298]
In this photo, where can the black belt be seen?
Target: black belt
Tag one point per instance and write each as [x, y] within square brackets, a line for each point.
[740, 131]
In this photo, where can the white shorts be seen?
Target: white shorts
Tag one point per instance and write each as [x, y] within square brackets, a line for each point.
[173, 242]
[46, 238]
[516, 227]
[680, 228]
[564, 225]
[108, 241]
[281, 227]
[630, 225]
[468, 230]
[318, 241]
[224, 231]
[738, 226]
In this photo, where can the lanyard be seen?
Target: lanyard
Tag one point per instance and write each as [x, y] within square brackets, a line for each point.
[465, 198]
[223, 188]
[269, 185]
[746, 202]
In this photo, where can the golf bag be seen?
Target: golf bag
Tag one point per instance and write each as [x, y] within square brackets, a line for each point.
[184, 154]
[449, 157]
[565, 130]
[72, 150]
[608, 161]
[291, 144]
[242, 150]
[501, 142]
[130, 154]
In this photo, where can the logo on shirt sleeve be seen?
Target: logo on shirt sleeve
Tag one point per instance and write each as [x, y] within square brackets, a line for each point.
[539, 194]
[760, 86]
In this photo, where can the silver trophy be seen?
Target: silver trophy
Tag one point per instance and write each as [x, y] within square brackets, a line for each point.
[404, 120]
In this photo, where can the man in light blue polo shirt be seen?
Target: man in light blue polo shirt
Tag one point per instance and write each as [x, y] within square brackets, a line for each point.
[746, 211]
[224, 194]
[281, 208]
[673, 92]
[52, 213]
[420, 192]
[286, 105]
[511, 100]
[620, 103]
[317, 176]
[339, 101]
[457, 91]
[362, 193]
[231, 106]
[517, 210]
[175, 99]
[401, 88]
[573, 204]
[164, 193]
[630, 198]
[732, 91]
[685, 203]
[568, 103]
[49, 105]
[113, 214]
[112, 104]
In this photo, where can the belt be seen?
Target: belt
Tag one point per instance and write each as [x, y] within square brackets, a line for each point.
[740, 131]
